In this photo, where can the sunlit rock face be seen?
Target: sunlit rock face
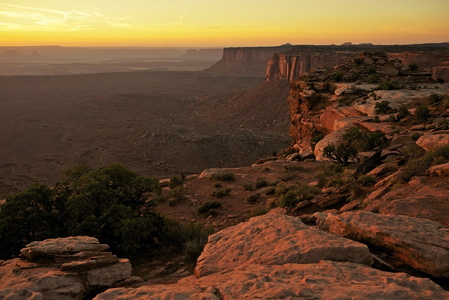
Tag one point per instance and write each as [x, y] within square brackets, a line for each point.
[62, 268]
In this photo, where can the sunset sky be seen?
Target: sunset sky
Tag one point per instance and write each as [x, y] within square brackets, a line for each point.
[209, 23]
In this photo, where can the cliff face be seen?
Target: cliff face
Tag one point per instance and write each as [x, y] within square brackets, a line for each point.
[249, 61]
[289, 67]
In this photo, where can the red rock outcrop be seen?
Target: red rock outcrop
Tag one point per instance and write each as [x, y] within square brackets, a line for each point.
[246, 60]
[323, 280]
[421, 244]
[62, 268]
[275, 239]
[289, 66]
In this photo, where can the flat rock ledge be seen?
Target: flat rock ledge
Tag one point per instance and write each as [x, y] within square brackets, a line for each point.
[62, 268]
[276, 239]
[419, 243]
[323, 280]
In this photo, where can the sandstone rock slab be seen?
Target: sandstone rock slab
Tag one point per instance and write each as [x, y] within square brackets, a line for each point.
[24, 280]
[419, 243]
[323, 280]
[275, 240]
[72, 244]
[110, 275]
[439, 170]
[431, 141]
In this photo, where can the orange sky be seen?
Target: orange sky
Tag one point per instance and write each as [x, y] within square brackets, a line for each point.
[221, 23]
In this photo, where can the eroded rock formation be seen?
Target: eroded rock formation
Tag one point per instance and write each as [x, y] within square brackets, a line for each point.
[62, 268]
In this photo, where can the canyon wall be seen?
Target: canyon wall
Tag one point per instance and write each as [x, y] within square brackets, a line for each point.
[246, 60]
[289, 67]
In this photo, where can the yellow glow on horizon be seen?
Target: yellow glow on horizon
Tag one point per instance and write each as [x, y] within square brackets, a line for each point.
[217, 23]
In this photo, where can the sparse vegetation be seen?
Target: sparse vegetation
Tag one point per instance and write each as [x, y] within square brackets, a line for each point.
[253, 199]
[208, 206]
[175, 181]
[388, 85]
[354, 140]
[413, 67]
[291, 195]
[382, 107]
[221, 193]
[422, 114]
[225, 176]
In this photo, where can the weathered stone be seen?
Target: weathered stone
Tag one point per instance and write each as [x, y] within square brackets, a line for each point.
[91, 263]
[323, 280]
[332, 138]
[72, 244]
[430, 141]
[419, 243]
[439, 170]
[275, 239]
[110, 275]
[24, 280]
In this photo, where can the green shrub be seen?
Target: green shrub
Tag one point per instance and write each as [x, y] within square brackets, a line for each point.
[382, 107]
[337, 76]
[434, 98]
[413, 67]
[252, 199]
[206, 207]
[108, 203]
[249, 186]
[260, 183]
[358, 61]
[221, 193]
[296, 194]
[218, 185]
[402, 112]
[175, 181]
[225, 176]
[417, 165]
[270, 190]
[373, 78]
[258, 211]
[422, 113]
[388, 85]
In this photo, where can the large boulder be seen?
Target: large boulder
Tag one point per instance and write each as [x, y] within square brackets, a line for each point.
[334, 138]
[431, 141]
[323, 280]
[275, 239]
[62, 268]
[421, 244]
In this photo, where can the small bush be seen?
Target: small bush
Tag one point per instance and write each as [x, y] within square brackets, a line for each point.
[175, 181]
[413, 67]
[373, 78]
[252, 199]
[218, 185]
[260, 183]
[206, 207]
[270, 190]
[221, 193]
[422, 114]
[249, 186]
[338, 76]
[298, 193]
[225, 176]
[258, 211]
[434, 98]
[402, 112]
[388, 85]
[358, 61]
[382, 107]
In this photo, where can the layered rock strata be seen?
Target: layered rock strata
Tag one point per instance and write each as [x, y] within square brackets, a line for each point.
[62, 268]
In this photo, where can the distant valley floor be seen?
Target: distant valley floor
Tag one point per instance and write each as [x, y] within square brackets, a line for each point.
[155, 123]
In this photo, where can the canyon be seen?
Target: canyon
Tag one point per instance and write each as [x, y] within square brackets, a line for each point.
[298, 222]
